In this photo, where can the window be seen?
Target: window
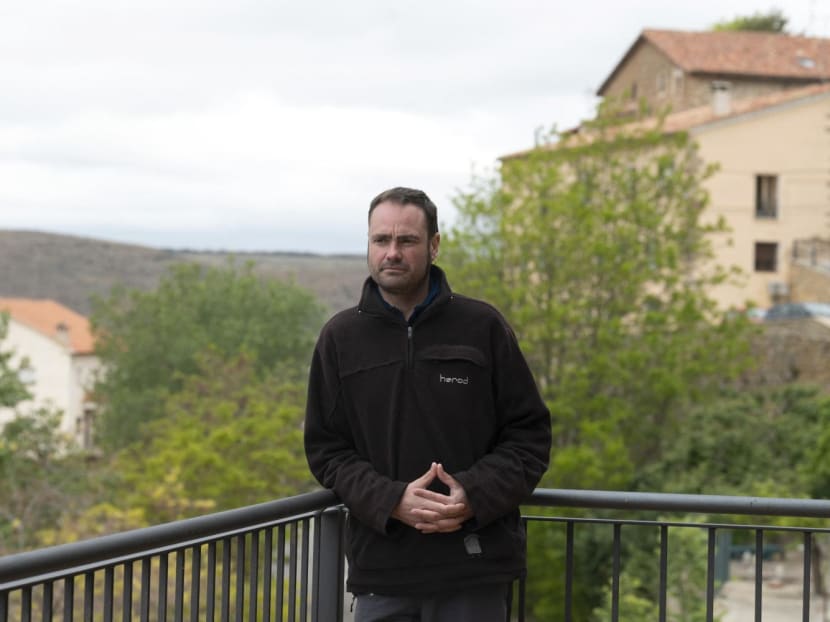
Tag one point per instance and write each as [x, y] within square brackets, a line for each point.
[677, 75]
[661, 84]
[766, 196]
[766, 256]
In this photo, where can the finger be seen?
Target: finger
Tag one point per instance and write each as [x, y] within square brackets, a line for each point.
[427, 477]
[431, 495]
[445, 477]
[433, 513]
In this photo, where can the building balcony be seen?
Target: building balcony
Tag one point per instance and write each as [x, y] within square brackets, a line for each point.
[284, 561]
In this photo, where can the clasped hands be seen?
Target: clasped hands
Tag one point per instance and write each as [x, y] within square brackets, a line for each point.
[433, 512]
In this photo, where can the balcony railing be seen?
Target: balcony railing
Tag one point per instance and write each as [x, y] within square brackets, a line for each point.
[283, 560]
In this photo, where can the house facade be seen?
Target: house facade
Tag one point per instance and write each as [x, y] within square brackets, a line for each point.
[58, 345]
[758, 105]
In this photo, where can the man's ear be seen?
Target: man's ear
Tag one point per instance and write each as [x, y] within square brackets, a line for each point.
[433, 246]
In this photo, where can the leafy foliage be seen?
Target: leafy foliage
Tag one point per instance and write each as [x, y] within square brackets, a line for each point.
[771, 21]
[596, 250]
[151, 341]
[227, 439]
[40, 477]
[12, 390]
[761, 442]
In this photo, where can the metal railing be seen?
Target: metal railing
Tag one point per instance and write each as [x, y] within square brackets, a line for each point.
[283, 560]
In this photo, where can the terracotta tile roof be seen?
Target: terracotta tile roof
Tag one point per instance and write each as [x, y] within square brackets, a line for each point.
[702, 115]
[748, 54]
[47, 317]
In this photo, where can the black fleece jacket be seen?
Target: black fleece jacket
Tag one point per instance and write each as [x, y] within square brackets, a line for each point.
[386, 399]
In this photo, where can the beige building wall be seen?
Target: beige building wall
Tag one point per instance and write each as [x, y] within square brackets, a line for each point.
[792, 143]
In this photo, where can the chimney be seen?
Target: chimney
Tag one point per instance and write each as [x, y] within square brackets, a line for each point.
[721, 98]
[62, 334]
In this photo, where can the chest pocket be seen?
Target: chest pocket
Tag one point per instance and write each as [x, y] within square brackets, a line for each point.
[456, 382]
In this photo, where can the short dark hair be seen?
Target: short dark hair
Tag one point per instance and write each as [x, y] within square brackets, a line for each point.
[410, 196]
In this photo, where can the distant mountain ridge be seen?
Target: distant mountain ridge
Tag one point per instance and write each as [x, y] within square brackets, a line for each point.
[72, 269]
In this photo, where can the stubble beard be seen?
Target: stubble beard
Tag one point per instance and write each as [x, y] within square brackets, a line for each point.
[406, 288]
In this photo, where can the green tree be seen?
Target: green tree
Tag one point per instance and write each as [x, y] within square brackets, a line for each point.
[771, 21]
[597, 252]
[41, 476]
[151, 341]
[12, 390]
[595, 247]
[753, 442]
[229, 438]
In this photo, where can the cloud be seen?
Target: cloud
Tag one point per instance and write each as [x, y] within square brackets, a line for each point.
[273, 122]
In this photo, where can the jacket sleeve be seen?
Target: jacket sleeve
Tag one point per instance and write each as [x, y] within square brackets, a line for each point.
[330, 448]
[506, 476]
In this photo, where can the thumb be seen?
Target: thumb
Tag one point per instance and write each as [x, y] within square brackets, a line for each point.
[426, 479]
[445, 477]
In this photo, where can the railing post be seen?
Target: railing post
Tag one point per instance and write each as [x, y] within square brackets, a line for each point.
[328, 588]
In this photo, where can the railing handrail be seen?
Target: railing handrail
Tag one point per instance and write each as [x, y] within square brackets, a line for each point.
[138, 542]
[672, 502]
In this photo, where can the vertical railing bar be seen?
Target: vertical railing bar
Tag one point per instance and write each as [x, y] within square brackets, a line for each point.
[68, 598]
[178, 602]
[292, 574]
[759, 573]
[195, 582]
[240, 577]
[569, 570]
[26, 604]
[522, 586]
[615, 578]
[210, 597]
[162, 589]
[710, 576]
[305, 577]
[145, 589]
[280, 572]
[109, 587]
[127, 596]
[47, 599]
[266, 574]
[89, 595]
[4, 606]
[664, 572]
[226, 580]
[808, 557]
[253, 578]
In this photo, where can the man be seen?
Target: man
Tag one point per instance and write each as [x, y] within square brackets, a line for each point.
[425, 420]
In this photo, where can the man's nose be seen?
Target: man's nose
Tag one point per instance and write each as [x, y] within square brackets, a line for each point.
[394, 250]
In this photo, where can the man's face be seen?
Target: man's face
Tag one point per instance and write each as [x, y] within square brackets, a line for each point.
[400, 252]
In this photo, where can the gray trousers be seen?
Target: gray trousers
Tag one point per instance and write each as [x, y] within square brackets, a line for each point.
[485, 603]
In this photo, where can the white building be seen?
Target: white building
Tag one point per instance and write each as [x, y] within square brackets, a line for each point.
[57, 343]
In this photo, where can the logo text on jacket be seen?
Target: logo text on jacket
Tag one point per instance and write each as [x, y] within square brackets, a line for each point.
[453, 379]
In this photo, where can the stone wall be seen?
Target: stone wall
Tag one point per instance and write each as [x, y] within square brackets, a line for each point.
[791, 351]
[809, 284]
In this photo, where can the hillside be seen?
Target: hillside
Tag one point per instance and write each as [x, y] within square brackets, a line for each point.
[73, 269]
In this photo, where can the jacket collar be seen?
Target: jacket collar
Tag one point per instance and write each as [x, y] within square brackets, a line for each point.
[372, 302]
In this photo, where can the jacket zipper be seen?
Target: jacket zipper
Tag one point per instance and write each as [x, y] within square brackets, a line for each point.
[409, 346]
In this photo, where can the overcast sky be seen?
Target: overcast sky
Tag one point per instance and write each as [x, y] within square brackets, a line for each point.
[269, 125]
